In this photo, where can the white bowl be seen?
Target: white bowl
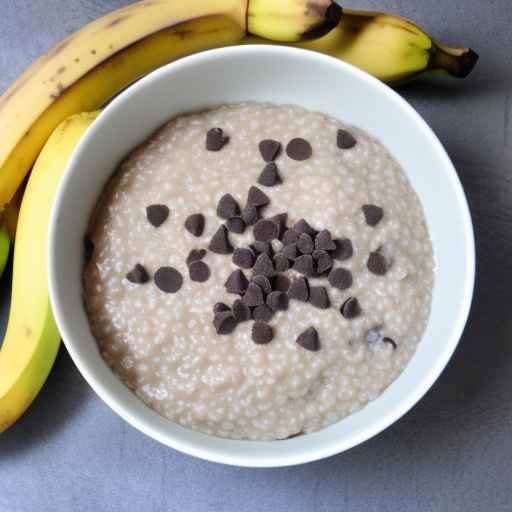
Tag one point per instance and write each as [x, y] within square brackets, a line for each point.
[278, 75]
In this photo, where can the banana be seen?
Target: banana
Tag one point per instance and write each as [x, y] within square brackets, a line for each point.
[5, 246]
[32, 340]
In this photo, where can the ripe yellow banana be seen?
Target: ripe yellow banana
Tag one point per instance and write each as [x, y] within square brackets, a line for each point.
[31, 341]
[5, 245]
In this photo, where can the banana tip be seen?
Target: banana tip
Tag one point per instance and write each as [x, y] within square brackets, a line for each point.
[467, 62]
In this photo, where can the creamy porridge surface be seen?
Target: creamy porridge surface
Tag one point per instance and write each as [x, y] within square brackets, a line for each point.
[165, 347]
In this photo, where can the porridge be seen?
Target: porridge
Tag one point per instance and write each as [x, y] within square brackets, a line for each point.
[258, 271]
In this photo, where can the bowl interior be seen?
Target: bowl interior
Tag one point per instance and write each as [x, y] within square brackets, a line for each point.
[278, 75]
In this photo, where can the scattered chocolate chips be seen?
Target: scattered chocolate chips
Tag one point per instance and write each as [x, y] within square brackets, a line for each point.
[243, 258]
[350, 308]
[195, 255]
[270, 177]
[263, 266]
[236, 225]
[290, 251]
[305, 244]
[195, 224]
[281, 263]
[215, 139]
[138, 275]
[345, 140]
[304, 265]
[241, 312]
[269, 149]
[265, 230]
[299, 149]
[372, 214]
[199, 271]
[220, 243]
[324, 241]
[290, 236]
[309, 340]
[303, 226]
[88, 248]
[319, 298]
[227, 207]
[390, 341]
[236, 283]
[263, 248]
[224, 322]
[263, 282]
[262, 333]
[277, 301]
[220, 306]
[344, 249]
[262, 313]
[280, 219]
[280, 283]
[299, 289]
[250, 215]
[157, 214]
[322, 261]
[377, 264]
[253, 296]
[340, 278]
[168, 279]
[256, 197]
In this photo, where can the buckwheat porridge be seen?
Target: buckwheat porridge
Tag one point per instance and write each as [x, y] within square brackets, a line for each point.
[258, 271]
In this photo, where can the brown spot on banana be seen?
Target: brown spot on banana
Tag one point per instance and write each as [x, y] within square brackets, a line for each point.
[118, 20]
[27, 331]
[329, 17]
[61, 70]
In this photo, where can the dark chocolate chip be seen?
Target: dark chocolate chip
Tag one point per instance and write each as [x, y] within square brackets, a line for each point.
[243, 258]
[374, 335]
[280, 219]
[372, 214]
[263, 248]
[263, 282]
[168, 279]
[299, 289]
[235, 225]
[236, 283]
[253, 296]
[299, 149]
[391, 341]
[280, 283]
[290, 236]
[302, 226]
[322, 261]
[318, 297]
[220, 243]
[256, 197]
[345, 140]
[88, 248]
[309, 340]
[265, 230]
[250, 215]
[224, 322]
[263, 266]
[269, 149]
[350, 308]
[262, 333]
[199, 271]
[241, 312]
[344, 249]
[290, 251]
[340, 278]
[220, 306]
[324, 241]
[227, 207]
[138, 275]
[270, 177]
[195, 224]
[157, 214]
[377, 264]
[304, 265]
[305, 244]
[277, 301]
[215, 139]
[195, 255]
[281, 263]
[262, 313]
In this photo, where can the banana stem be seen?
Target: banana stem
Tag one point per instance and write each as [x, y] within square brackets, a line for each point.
[457, 62]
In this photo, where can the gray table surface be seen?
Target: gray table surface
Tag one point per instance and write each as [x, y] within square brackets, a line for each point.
[451, 452]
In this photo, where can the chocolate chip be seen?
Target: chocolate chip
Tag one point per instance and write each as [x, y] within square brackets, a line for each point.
[270, 177]
[281, 263]
[224, 322]
[235, 225]
[299, 289]
[220, 306]
[199, 271]
[215, 139]
[303, 226]
[263, 266]
[243, 258]
[241, 312]
[305, 244]
[322, 261]
[262, 313]
[262, 333]
[277, 301]
[344, 249]
[168, 279]
[195, 255]
[88, 248]
[138, 275]
[290, 236]
[340, 278]
[250, 215]
[318, 297]
[269, 149]
[220, 243]
[253, 296]
[157, 214]
[324, 241]
[350, 308]
[265, 230]
[299, 149]
[227, 207]
[236, 283]
[345, 140]
[195, 224]
[390, 341]
[377, 264]
[280, 219]
[290, 251]
[280, 283]
[263, 248]
[372, 214]
[304, 265]
[263, 282]
[309, 340]
[374, 335]
[256, 197]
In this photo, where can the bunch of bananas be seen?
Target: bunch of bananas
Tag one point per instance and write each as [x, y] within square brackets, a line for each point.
[41, 121]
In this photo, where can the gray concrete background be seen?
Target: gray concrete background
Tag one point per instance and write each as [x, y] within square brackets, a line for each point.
[452, 452]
